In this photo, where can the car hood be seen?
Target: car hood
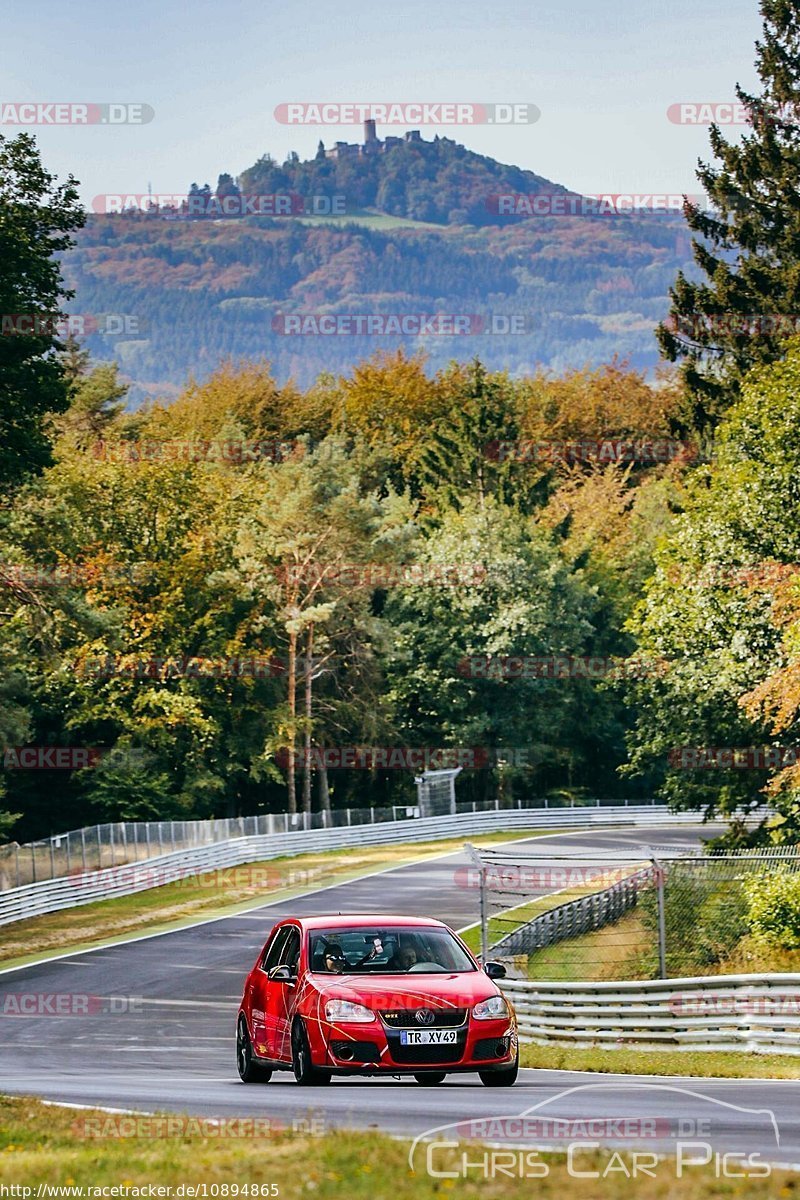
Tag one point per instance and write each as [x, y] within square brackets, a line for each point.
[436, 991]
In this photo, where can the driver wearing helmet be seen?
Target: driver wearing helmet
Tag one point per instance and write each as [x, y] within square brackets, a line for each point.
[334, 958]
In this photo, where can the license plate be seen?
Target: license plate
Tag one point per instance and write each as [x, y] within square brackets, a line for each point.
[428, 1037]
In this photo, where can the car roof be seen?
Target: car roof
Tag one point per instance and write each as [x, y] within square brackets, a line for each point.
[354, 920]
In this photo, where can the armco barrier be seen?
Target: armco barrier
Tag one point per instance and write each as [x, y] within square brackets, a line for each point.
[52, 895]
[759, 1013]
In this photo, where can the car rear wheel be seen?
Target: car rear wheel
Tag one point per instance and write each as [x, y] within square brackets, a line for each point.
[304, 1070]
[431, 1078]
[501, 1076]
[249, 1071]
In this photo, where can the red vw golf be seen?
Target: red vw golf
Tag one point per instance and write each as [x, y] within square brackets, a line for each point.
[373, 995]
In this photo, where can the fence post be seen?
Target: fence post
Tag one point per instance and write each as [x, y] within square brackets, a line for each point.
[83, 849]
[478, 861]
[52, 860]
[662, 929]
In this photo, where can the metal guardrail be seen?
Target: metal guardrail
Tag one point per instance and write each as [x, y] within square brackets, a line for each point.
[117, 842]
[758, 1013]
[36, 899]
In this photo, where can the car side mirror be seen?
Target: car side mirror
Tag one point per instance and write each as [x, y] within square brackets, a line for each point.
[495, 970]
[283, 974]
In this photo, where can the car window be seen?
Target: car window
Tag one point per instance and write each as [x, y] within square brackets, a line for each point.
[290, 953]
[388, 951]
[272, 954]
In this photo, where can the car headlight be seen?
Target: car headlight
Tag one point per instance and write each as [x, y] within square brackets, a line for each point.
[491, 1009]
[346, 1010]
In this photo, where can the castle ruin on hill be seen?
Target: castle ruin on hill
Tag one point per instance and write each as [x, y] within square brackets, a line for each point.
[372, 144]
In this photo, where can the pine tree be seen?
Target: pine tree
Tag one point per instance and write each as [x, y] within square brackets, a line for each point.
[749, 241]
[74, 360]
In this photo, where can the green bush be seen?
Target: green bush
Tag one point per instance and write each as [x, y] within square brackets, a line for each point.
[774, 908]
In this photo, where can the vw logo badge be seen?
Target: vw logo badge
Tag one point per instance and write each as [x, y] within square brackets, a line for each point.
[424, 1016]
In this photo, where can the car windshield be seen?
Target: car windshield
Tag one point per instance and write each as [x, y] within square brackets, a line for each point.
[378, 950]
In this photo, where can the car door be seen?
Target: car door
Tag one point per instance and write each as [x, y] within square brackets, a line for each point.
[282, 999]
[260, 1015]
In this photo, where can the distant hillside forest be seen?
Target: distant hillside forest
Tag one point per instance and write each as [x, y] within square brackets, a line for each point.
[179, 297]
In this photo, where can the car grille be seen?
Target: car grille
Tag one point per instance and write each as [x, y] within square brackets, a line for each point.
[443, 1018]
[426, 1054]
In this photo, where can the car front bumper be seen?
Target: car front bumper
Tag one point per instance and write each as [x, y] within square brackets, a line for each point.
[377, 1048]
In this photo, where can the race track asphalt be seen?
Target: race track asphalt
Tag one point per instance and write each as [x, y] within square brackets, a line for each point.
[170, 1044]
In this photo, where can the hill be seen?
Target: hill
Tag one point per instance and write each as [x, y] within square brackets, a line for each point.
[422, 235]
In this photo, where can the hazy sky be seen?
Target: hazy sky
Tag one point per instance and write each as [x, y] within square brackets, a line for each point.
[603, 76]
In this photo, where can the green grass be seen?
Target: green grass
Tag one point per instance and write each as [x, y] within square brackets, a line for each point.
[44, 1145]
[613, 952]
[706, 1064]
[625, 950]
[213, 894]
[372, 221]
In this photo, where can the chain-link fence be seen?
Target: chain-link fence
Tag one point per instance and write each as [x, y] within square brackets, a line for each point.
[636, 913]
[112, 845]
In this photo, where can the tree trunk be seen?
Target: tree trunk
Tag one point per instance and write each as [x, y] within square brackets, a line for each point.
[324, 793]
[307, 731]
[290, 781]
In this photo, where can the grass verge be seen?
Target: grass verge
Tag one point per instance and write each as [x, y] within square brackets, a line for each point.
[43, 1145]
[613, 952]
[215, 893]
[708, 1064]
[625, 950]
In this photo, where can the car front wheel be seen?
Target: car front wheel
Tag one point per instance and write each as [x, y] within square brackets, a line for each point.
[501, 1076]
[304, 1070]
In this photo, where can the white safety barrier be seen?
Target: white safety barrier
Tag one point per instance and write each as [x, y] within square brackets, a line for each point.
[51, 895]
[759, 1013]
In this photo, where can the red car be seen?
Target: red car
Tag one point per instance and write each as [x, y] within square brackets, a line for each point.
[373, 995]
